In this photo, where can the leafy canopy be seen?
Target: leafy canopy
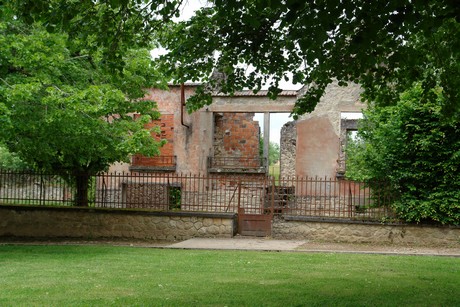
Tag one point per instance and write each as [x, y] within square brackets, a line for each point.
[64, 110]
[110, 27]
[10, 161]
[315, 42]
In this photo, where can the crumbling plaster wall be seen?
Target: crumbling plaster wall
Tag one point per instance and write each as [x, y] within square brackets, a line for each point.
[191, 145]
[317, 134]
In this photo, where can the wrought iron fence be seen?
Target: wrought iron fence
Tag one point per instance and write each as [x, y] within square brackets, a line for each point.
[312, 197]
[186, 192]
[32, 188]
[333, 198]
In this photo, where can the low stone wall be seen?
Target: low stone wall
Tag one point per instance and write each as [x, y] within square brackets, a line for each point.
[100, 223]
[291, 227]
[87, 223]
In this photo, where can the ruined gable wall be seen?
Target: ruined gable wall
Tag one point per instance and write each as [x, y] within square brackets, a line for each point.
[318, 133]
[337, 99]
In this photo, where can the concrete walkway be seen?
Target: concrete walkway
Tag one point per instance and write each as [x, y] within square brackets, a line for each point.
[267, 244]
[240, 244]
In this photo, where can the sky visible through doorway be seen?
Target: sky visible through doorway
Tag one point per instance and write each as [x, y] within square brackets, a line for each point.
[277, 120]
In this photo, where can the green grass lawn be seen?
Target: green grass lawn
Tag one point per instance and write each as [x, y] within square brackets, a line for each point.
[120, 276]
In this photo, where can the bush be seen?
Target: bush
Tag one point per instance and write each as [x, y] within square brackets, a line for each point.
[10, 161]
[417, 149]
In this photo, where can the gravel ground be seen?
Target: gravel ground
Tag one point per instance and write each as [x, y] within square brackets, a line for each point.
[441, 250]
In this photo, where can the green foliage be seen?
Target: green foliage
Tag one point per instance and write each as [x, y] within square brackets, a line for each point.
[383, 45]
[65, 108]
[273, 151]
[108, 27]
[175, 197]
[10, 161]
[65, 111]
[417, 149]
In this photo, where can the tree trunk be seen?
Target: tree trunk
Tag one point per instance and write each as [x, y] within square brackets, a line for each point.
[82, 182]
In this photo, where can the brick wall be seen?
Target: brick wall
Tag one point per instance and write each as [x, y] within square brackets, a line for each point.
[236, 135]
[166, 124]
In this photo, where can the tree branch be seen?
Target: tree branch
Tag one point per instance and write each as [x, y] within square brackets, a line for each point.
[4, 81]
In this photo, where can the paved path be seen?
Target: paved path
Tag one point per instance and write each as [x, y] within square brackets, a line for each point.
[240, 244]
[267, 244]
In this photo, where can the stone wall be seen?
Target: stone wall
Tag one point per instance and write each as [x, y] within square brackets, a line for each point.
[348, 232]
[318, 133]
[288, 150]
[91, 223]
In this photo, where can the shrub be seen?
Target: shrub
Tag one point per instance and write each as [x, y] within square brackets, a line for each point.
[417, 149]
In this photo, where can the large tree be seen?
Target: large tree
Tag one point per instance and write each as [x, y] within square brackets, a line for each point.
[64, 108]
[314, 42]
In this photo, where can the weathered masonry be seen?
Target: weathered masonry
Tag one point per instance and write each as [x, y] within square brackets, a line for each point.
[221, 138]
[314, 144]
[89, 223]
[224, 137]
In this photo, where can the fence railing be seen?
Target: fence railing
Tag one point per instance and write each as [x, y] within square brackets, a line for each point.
[333, 198]
[312, 197]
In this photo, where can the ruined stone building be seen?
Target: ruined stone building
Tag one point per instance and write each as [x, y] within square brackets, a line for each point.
[314, 145]
[224, 137]
[221, 138]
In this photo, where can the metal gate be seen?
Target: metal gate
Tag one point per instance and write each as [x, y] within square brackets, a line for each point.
[255, 219]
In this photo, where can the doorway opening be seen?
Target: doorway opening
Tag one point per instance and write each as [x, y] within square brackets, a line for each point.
[275, 122]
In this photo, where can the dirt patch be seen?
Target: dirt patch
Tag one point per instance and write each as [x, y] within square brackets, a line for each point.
[453, 249]
[79, 241]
